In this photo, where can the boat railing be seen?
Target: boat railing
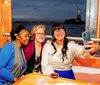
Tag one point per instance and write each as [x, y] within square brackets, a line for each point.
[77, 38]
[70, 38]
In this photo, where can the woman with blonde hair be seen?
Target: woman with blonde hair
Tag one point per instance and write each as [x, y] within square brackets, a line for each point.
[33, 50]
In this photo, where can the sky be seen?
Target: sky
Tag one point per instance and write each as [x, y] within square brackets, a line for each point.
[47, 10]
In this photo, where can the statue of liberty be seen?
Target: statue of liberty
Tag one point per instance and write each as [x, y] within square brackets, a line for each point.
[79, 11]
[79, 14]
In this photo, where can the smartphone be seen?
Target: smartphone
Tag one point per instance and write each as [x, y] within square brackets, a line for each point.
[86, 38]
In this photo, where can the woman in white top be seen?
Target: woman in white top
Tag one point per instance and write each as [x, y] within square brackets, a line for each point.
[58, 54]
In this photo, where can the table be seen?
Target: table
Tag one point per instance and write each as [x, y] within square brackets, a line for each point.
[30, 79]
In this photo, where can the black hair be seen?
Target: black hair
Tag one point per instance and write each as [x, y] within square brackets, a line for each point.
[15, 30]
[56, 26]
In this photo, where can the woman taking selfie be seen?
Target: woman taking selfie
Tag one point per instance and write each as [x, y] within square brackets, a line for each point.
[58, 54]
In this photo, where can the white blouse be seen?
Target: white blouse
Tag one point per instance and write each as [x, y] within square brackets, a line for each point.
[51, 62]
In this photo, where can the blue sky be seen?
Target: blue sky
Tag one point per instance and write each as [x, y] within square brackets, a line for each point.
[47, 10]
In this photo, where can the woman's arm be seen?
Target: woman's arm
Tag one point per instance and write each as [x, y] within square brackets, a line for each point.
[45, 67]
[79, 51]
[6, 55]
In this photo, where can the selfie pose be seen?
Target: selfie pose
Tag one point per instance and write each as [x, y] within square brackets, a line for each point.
[58, 54]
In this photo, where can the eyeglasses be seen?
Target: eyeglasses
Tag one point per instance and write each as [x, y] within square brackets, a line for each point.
[39, 34]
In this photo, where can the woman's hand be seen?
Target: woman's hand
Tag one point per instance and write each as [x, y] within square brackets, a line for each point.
[15, 79]
[93, 47]
[90, 49]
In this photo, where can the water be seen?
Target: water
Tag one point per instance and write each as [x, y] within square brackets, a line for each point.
[73, 29]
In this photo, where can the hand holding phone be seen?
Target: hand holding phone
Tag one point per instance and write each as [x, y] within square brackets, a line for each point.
[86, 38]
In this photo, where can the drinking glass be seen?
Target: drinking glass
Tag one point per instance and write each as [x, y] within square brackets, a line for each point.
[54, 76]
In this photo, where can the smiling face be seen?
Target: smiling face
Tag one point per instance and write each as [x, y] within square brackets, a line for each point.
[59, 34]
[40, 35]
[23, 37]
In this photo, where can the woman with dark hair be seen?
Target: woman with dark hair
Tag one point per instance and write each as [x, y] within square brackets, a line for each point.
[58, 54]
[12, 60]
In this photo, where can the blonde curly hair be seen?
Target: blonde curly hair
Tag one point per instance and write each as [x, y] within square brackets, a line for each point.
[34, 29]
